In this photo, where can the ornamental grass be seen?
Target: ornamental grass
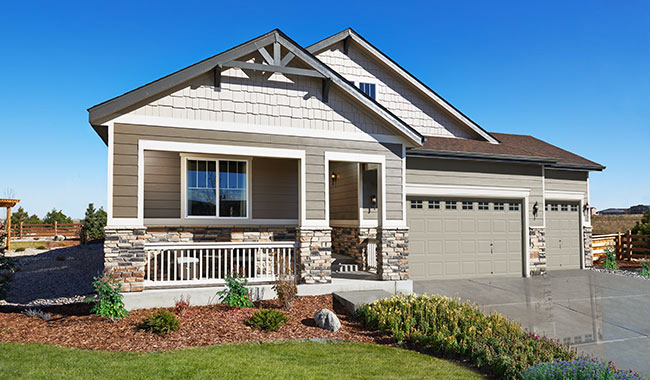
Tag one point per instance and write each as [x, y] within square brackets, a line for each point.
[451, 327]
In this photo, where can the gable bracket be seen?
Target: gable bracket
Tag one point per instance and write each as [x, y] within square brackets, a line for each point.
[326, 89]
[217, 76]
[274, 68]
[346, 45]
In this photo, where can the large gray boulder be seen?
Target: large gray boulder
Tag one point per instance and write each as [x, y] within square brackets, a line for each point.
[326, 319]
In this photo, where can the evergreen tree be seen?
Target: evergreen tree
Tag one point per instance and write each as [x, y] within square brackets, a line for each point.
[94, 223]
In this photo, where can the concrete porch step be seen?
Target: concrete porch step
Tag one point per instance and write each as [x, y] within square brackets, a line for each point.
[343, 267]
[351, 300]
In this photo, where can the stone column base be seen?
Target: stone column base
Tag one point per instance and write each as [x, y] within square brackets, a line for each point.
[392, 254]
[314, 255]
[537, 251]
[588, 250]
[124, 256]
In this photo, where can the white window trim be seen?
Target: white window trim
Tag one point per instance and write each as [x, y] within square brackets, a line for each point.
[217, 159]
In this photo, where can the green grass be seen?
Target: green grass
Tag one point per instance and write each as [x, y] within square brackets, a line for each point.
[287, 360]
[30, 244]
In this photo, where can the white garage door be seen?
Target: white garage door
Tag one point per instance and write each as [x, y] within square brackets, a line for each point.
[563, 236]
[464, 238]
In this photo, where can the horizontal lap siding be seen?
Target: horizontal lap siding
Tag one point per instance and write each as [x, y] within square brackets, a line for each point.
[274, 189]
[344, 196]
[433, 171]
[126, 150]
[162, 184]
[567, 180]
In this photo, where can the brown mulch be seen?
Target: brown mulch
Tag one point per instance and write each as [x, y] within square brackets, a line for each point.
[622, 264]
[73, 326]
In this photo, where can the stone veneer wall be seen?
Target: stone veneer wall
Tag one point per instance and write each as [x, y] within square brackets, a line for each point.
[351, 241]
[125, 259]
[588, 250]
[315, 253]
[392, 263]
[537, 251]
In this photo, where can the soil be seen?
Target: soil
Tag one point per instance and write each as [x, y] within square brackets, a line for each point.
[74, 326]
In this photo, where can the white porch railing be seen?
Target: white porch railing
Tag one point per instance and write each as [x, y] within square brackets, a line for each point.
[371, 253]
[175, 264]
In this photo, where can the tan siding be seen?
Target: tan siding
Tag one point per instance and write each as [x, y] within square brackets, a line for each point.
[395, 93]
[435, 171]
[162, 184]
[126, 139]
[567, 180]
[274, 189]
[344, 197]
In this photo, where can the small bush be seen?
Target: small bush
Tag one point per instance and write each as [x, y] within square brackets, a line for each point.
[40, 247]
[162, 323]
[36, 313]
[583, 368]
[182, 306]
[7, 269]
[235, 294]
[645, 269]
[286, 289]
[268, 320]
[610, 259]
[20, 249]
[451, 327]
[109, 302]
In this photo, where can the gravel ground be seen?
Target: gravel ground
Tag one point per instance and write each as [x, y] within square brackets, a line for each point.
[53, 277]
[620, 272]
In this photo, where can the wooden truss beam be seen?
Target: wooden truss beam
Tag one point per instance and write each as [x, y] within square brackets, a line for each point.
[217, 76]
[274, 68]
[326, 89]
[346, 45]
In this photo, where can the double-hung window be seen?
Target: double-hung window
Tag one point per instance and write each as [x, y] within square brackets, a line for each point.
[217, 188]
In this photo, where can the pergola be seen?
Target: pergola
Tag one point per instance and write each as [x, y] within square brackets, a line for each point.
[8, 203]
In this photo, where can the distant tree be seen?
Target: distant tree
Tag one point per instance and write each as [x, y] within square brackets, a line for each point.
[56, 216]
[94, 223]
[21, 215]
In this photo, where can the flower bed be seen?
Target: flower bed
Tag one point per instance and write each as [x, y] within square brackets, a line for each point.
[448, 326]
[580, 369]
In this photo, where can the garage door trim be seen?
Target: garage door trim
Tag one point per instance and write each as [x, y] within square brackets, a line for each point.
[570, 196]
[482, 192]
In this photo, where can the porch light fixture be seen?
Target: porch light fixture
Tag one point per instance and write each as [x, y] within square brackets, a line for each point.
[334, 177]
[585, 209]
[373, 201]
[535, 209]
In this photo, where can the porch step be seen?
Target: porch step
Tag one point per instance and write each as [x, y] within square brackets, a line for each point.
[340, 267]
[351, 300]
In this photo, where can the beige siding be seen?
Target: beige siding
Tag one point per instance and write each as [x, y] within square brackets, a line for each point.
[394, 93]
[566, 180]
[162, 184]
[344, 194]
[271, 102]
[126, 150]
[435, 171]
[369, 189]
[274, 188]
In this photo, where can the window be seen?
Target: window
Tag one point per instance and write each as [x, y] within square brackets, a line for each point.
[499, 206]
[434, 205]
[368, 88]
[574, 208]
[416, 204]
[483, 206]
[553, 206]
[513, 206]
[450, 205]
[203, 186]
[468, 205]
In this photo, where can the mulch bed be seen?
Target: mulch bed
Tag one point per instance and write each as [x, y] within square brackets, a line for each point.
[74, 326]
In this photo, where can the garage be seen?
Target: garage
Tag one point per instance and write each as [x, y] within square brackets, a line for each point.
[463, 238]
[563, 237]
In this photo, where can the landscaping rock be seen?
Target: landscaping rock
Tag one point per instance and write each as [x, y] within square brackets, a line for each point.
[59, 238]
[327, 320]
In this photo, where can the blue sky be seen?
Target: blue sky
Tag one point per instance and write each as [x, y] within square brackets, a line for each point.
[576, 74]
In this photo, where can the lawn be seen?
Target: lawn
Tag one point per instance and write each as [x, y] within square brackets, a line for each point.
[286, 360]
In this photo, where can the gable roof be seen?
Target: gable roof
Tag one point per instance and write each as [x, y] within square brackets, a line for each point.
[105, 111]
[410, 78]
[521, 148]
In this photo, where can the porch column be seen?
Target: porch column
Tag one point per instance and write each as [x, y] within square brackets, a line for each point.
[124, 256]
[315, 255]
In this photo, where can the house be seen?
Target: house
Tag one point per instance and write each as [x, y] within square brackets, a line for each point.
[271, 156]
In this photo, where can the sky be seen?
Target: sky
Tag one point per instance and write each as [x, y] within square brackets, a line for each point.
[573, 73]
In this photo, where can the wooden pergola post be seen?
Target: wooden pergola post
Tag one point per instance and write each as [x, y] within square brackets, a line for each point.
[8, 203]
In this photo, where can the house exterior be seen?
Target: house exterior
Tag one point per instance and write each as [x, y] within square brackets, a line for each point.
[272, 157]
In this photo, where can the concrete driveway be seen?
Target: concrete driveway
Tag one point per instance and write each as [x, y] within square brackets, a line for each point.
[605, 315]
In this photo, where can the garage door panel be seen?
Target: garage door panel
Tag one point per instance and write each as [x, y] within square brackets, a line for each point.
[563, 235]
[466, 241]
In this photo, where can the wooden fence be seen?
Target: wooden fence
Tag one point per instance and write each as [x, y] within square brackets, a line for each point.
[30, 231]
[626, 245]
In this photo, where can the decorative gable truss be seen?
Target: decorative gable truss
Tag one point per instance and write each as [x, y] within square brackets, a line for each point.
[262, 57]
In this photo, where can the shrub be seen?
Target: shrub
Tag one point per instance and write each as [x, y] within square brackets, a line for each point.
[235, 294]
[40, 246]
[20, 249]
[268, 320]
[93, 223]
[182, 306]
[610, 259]
[7, 269]
[645, 269]
[286, 289]
[161, 322]
[56, 216]
[582, 368]
[109, 302]
[451, 327]
[36, 313]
